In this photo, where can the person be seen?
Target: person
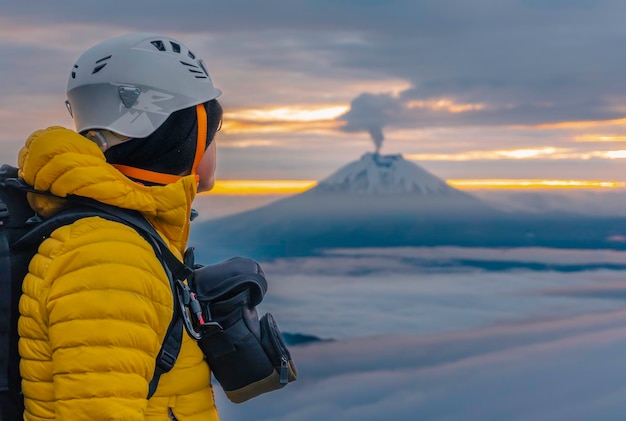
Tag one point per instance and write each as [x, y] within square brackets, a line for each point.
[96, 302]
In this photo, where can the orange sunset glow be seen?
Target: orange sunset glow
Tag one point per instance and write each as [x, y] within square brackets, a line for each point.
[299, 113]
[261, 187]
[264, 127]
[445, 105]
[289, 187]
[533, 184]
[283, 119]
[583, 124]
[600, 138]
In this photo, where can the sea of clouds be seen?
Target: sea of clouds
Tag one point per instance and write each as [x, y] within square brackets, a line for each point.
[461, 344]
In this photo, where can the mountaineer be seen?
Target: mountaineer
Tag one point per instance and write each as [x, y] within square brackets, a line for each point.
[96, 302]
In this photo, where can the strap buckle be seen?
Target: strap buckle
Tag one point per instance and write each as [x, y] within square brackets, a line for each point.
[166, 360]
[192, 314]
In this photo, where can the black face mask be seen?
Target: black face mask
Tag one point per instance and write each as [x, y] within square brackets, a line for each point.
[171, 149]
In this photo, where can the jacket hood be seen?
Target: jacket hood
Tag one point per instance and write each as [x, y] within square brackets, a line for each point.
[62, 162]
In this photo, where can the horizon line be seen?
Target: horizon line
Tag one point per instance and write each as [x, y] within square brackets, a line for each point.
[284, 187]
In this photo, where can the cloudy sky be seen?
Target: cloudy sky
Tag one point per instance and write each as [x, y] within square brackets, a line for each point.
[482, 89]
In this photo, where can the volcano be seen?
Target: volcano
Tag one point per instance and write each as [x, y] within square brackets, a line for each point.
[387, 185]
[388, 175]
[376, 201]
[387, 201]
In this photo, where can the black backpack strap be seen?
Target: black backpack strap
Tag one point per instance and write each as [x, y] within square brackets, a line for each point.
[11, 398]
[7, 307]
[176, 271]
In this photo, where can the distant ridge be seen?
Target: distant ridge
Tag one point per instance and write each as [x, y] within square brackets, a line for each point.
[387, 201]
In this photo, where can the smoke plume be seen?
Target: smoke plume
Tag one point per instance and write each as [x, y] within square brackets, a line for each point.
[371, 113]
[377, 137]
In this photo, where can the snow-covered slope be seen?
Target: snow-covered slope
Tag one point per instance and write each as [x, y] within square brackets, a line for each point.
[379, 186]
[376, 174]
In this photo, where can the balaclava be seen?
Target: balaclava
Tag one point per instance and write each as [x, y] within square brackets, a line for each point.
[171, 148]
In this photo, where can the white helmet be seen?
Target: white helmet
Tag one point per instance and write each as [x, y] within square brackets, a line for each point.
[130, 85]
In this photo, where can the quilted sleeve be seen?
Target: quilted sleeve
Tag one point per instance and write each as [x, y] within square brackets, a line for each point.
[107, 309]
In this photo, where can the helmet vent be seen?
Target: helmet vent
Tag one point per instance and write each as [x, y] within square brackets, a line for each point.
[98, 68]
[195, 70]
[103, 59]
[159, 45]
[201, 63]
[175, 47]
[191, 55]
[74, 71]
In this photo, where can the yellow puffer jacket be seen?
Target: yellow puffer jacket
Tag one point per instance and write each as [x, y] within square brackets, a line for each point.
[96, 302]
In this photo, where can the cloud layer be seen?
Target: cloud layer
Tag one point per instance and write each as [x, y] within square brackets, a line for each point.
[449, 345]
[453, 77]
[567, 369]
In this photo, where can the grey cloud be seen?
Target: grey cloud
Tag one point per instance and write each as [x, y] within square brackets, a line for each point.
[498, 52]
[29, 70]
[561, 5]
[371, 113]
[236, 15]
[528, 65]
[529, 61]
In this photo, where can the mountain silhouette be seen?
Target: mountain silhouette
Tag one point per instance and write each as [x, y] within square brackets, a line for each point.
[387, 201]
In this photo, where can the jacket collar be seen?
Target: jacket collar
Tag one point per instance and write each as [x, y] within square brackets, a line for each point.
[63, 163]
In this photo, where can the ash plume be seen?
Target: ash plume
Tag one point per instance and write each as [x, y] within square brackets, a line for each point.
[377, 136]
[371, 113]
